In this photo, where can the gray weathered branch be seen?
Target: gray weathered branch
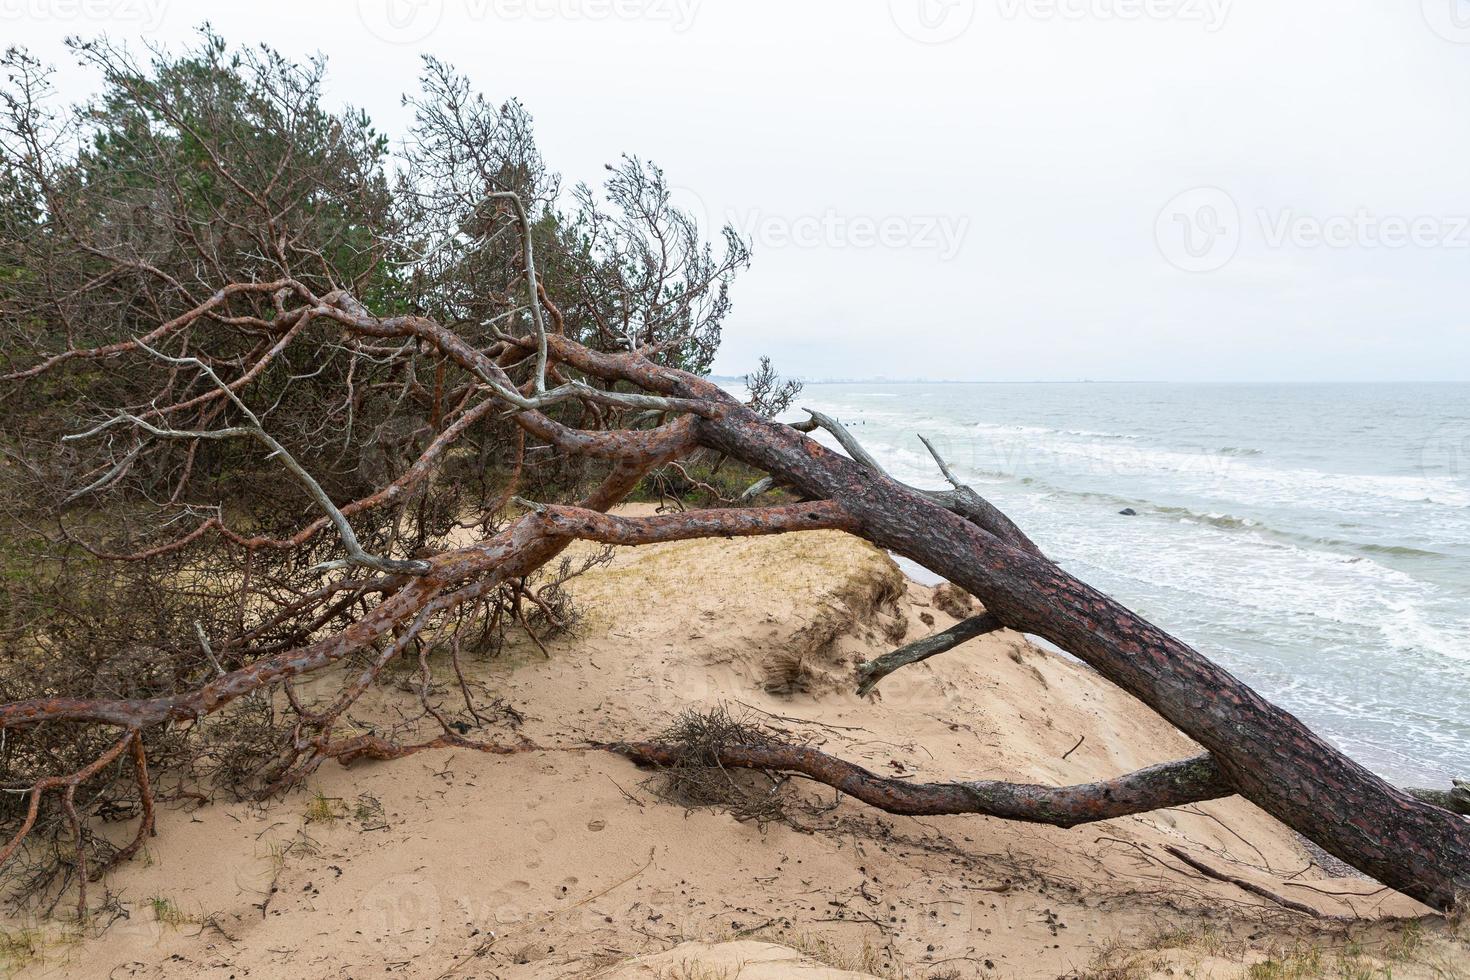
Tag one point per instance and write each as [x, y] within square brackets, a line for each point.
[255, 429]
[961, 500]
[757, 488]
[844, 438]
[930, 646]
[537, 319]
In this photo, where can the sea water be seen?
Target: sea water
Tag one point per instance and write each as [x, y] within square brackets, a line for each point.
[1313, 539]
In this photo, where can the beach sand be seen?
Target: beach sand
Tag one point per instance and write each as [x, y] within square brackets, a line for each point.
[569, 864]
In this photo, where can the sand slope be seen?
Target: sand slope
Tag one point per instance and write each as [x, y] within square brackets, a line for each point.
[565, 863]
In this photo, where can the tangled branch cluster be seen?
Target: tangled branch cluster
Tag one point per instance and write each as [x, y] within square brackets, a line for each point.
[230, 442]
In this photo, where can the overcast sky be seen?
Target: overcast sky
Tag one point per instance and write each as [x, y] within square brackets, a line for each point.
[980, 189]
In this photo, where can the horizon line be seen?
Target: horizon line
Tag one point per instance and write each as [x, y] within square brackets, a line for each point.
[1104, 381]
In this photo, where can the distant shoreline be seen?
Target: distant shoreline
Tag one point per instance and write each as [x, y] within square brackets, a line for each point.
[733, 379]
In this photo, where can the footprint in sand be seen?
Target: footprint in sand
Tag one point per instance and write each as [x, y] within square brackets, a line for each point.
[510, 901]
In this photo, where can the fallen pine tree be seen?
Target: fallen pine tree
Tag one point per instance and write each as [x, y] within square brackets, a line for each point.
[235, 383]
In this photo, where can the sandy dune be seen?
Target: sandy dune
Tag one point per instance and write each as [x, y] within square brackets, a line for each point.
[567, 863]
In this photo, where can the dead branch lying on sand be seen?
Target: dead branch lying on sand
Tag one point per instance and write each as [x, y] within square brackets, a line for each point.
[1170, 784]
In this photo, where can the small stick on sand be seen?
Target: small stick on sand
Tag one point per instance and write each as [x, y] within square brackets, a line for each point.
[1250, 886]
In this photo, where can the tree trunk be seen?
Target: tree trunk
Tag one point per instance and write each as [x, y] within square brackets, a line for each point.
[1265, 753]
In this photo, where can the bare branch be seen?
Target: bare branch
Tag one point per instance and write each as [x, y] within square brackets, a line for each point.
[256, 430]
[208, 650]
[1170, 784]
[738, 522]
[532, 287]
[1239, 882]
[844, 438]
[962, 500]
[763, 485]
[920, 650]
[943, 466]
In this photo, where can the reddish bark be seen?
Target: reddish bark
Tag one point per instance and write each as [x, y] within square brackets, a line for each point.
[1171, 784]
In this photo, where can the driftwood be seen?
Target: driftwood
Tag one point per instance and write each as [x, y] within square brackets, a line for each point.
[1242, 883]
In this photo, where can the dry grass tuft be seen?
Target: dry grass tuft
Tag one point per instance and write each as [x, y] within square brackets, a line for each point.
[870, 959]
[166, 911]
[324, 809]
[1409, 950]
[1397, 951]
[954, 601]
[26, 946]
[18, 948]
[813, 663]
